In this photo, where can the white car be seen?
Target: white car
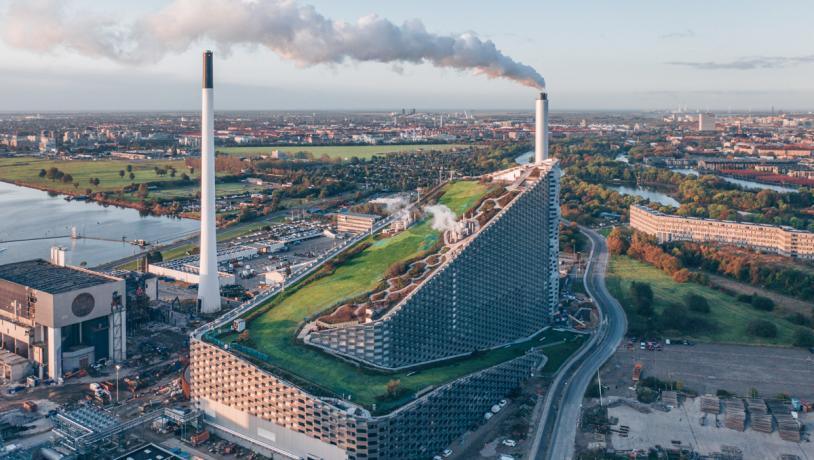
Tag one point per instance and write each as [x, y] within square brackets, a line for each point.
[503, 403]
[509, 442]
[446, 453]
[506, 457]
[487, 415]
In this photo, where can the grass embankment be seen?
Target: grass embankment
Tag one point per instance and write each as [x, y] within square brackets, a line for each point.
[272, 333]
[728, 316]
[340, 151]
[25, 171]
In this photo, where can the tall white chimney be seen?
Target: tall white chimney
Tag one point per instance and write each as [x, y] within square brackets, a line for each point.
[208, 285]
[541, 130]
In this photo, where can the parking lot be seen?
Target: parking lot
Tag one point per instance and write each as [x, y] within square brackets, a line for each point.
[707, 368]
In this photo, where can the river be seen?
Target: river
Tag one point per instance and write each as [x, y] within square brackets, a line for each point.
[648, 193]
[30, 213]
[747, 184]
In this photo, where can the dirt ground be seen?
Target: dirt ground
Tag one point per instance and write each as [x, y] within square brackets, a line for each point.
[707, 368]
[783, 303]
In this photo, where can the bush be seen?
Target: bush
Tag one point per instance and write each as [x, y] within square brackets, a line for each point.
[799, 319]
[761, 328]
[696, 303]
[745, 298]
[762, 303]
[803, 338]
[642, 295]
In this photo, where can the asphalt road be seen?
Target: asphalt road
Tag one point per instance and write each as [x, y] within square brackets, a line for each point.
[557, 431]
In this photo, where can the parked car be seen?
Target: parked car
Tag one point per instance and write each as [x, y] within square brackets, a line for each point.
[503, 403]
[509, 442]
[446, 453]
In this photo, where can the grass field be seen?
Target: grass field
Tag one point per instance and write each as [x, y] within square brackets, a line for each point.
[730, 315]
[273, 332]
[340, 151]
[221, 189]
[25, 171]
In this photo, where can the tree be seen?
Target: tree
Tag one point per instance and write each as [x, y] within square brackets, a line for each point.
[43, 173]
[761, 328]
[52, 173]
[803, 338]
[132, 175]
[129, 168]
[642, 295]
[393, 387]
[696, 303]
[121, 173]
[618, 242]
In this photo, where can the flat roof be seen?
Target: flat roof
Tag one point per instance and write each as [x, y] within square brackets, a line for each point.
[47, 277]
[149, 452]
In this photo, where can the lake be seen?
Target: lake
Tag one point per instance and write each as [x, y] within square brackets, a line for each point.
[747, 184]
[30, 213]
[648, 193]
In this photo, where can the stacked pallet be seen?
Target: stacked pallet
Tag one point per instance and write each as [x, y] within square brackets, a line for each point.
[759, 415]
[669, 398]
[734, 414]
[788, 457]
[779, 407]
[710, 404]
[788, 427]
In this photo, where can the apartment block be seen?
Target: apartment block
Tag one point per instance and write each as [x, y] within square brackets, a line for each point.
[782, 240]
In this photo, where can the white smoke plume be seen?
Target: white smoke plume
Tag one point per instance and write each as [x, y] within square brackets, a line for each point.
[394, 204]
[296, 32]
[442, 218]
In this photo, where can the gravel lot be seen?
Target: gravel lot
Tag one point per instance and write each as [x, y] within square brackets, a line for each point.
[707, 368]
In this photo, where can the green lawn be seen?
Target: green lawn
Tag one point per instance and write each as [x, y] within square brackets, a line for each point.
[25, 171]
[730, 315]
[221, 189]
[340, 151]
[273, 331]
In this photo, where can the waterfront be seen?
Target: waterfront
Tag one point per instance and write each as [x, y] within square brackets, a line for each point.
[747, 184]
[648, 193]
[29, 213]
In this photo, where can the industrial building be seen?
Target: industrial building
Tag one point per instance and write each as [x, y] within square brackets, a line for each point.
[777, 239]
[59, 318]
[352, 222]
[493, 288]
[493, 283]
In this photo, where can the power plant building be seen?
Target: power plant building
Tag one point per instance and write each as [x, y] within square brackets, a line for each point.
[59, 318]
[486, 284]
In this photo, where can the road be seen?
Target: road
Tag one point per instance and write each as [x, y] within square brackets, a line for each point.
[556, 433]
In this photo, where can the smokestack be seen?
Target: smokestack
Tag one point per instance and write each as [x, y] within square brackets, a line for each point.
[541, 130]
[208, 284]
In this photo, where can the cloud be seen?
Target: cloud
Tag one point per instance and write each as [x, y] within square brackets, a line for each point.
[748, 63]
[689, 33]
[295, 32]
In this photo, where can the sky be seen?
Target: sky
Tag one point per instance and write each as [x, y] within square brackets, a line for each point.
[594, 55]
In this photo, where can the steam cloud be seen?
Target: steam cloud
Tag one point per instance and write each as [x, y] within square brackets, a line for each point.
[442, 218]
[295, 32]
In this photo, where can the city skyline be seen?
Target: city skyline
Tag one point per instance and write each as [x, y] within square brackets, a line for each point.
[652, 57]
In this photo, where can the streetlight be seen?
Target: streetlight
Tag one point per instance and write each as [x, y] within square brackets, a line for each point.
[118, 366]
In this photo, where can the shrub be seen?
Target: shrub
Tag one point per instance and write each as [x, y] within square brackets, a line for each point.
[696, 303]
[762, 303]
[761, 328]
[799, 319]
[803, 338]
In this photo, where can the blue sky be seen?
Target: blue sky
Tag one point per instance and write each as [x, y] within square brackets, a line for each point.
[594, 55]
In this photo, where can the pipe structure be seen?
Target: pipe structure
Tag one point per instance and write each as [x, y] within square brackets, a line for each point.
[208, 283]
[541, 129]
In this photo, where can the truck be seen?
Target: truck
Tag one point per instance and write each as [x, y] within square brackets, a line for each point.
[637, 373]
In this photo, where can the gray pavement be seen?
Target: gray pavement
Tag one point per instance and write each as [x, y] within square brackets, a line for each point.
[556, 433]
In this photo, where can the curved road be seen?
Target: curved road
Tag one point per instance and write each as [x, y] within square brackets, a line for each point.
[556, 433]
